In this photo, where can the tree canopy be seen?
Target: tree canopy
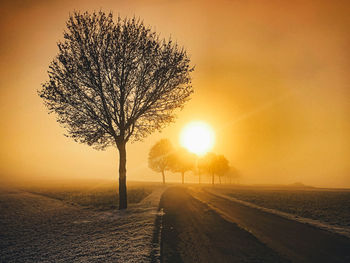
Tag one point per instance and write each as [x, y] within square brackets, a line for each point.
[159, 157]
[182, 161]
[214, 164]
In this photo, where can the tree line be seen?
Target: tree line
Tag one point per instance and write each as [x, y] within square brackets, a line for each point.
[163, 157]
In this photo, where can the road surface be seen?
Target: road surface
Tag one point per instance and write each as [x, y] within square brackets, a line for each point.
[201, 227]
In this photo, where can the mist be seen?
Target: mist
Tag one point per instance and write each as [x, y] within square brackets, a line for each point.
[271, 78]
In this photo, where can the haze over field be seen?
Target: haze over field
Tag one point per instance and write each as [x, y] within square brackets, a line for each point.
[271, 79]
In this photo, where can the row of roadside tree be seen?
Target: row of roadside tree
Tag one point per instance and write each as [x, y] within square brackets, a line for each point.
[164, 157]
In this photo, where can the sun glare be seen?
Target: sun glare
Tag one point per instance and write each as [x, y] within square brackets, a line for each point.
[197, 137]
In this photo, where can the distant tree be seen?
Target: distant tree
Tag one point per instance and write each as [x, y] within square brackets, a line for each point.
[114, 82]
[201, 167]
[233, 175]
[215, 165]
[208, 165]
[221, 166]
[182, 161]
[159, 157]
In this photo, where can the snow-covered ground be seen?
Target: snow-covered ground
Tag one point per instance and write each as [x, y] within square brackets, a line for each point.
[345, 231]
[34, 228]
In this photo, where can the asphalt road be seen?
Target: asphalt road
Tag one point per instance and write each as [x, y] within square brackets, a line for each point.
[193, 232]
[201, 227]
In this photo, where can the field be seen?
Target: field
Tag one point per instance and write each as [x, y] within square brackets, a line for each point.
[71, 222]
[326, 205]
[93, 195]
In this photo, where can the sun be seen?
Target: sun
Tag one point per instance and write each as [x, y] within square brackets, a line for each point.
[197, 137]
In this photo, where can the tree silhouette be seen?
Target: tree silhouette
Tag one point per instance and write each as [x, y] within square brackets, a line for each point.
[233, 174]
[182, 161]
[221, 166]
[114, 82]
[215, 165]
[159, 157]
[208, 165]
[201, 167]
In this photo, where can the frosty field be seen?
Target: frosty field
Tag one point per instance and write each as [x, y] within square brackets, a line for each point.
[78, 224]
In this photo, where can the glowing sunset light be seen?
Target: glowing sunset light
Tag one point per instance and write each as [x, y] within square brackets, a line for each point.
[197, 137]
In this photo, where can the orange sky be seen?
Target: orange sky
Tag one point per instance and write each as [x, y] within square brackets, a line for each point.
[272, 78]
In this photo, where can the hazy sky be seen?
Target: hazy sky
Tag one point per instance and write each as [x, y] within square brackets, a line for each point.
[272, 78]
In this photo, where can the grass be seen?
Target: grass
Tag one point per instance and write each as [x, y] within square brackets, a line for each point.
[100, 197]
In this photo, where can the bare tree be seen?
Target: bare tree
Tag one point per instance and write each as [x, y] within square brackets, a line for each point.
[114, 82]
[159, 157]
[182, 161]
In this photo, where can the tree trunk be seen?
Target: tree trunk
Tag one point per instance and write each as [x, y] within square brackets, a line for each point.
[199, 179]
[212, 179]
[163, 175]
[123, 204]
[183, 177]
[219, 179]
